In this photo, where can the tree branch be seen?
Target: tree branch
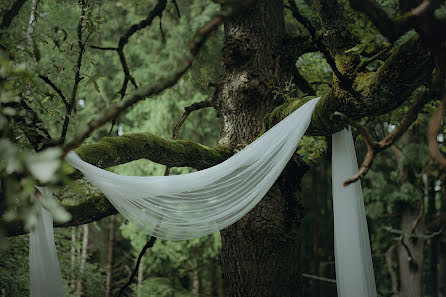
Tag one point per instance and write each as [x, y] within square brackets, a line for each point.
[187, 111]
[393, 275]
[77, 78]
[93, 209]
[194, 47]
[56, 89]
[148, 245]
[10, 14]
[380, 92]
[112, 151]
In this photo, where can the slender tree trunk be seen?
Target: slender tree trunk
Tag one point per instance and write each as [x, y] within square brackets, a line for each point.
[73, 258]
[261, 252]
[111, 242]
[442, 248]
[214, 278]
[83, 259]
[195, 282]
[140, 279]
[432, 276]
[31, 23]
[410, 256]
[315, 210]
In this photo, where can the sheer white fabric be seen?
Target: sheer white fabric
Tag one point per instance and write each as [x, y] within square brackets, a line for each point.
[203, 202]
[45, 277]
[353, 259]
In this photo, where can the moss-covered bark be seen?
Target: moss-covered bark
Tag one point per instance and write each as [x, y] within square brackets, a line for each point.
[379, 92]
[112, 151]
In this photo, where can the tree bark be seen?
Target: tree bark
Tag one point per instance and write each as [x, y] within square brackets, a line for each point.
[442, 247]
[432, 276]
[83, 259]
[260, 253]
[111, 242]
[411, 265]
[73, 257]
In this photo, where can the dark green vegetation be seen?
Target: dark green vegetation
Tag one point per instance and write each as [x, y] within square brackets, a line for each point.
[135, 86]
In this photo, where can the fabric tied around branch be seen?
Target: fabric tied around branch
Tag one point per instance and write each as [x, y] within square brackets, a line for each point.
[203, 202]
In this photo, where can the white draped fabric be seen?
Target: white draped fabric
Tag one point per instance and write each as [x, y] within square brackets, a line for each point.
[203, 202]
[353, 259]
[45, 277]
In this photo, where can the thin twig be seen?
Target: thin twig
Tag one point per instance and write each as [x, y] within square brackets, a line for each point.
[383, 54]
[411, 234]
[374, 147]
[55, 88]
[187, 111]
[104, 48]
[123, 40]
[321, 278]
[176, 8]
[148, 245]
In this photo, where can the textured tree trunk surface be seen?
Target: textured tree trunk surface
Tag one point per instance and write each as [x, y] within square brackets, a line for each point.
[111, 242]
[260, 253]
[411, 272]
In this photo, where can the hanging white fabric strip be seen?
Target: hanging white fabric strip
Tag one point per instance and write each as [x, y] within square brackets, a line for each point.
[45, 277]
[203, 202]
[200, 203]
[353, 259]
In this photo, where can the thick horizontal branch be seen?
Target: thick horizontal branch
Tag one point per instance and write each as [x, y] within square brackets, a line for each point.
[88, 211]
[112, 151]
[379, 92]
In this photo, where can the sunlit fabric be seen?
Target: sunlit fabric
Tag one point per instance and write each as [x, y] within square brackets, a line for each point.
[200, 203]
[45, 277]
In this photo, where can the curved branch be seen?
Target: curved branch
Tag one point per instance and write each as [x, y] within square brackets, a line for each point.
[113, 151]
[434, 128]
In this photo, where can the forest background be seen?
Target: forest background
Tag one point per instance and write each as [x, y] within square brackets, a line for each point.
[40, 60]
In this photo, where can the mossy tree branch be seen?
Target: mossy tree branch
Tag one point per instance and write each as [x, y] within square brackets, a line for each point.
[112, 151]
[379, 92]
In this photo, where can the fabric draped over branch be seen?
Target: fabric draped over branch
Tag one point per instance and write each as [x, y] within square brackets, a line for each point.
[203, 202]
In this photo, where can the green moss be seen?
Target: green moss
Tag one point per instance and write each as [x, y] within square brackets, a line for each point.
[112, 151]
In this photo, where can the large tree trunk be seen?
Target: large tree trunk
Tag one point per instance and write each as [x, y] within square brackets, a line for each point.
[260, 253]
